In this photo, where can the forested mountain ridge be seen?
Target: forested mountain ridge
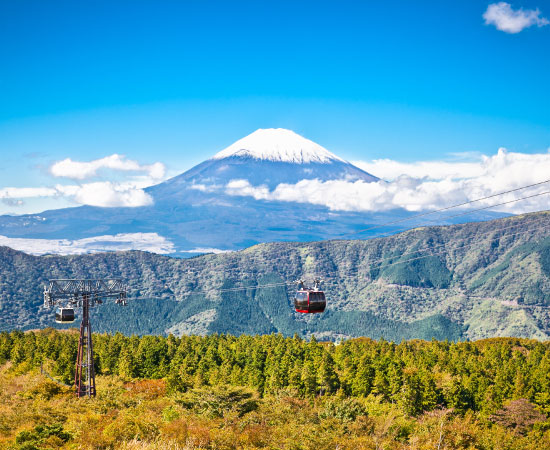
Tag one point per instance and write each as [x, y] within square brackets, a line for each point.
[470, 281]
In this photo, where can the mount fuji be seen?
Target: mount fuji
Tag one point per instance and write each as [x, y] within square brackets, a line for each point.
[222, 204]
[264, 158]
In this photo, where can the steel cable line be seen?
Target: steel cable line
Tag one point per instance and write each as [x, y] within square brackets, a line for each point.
[388, 233]
[401, 262]
[471, 211]
[492, 206]
[446, 208]
[445, 251]
[46, 374]
[435, 221]
[284, 284]
[477, 235]
[380, 260]
[235, 289]
[287, 283]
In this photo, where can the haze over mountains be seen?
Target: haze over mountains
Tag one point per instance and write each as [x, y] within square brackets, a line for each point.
[248, 193]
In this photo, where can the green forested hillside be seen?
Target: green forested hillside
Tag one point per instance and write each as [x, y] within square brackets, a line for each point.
[465, 281]
[272, 392]
[418, 375]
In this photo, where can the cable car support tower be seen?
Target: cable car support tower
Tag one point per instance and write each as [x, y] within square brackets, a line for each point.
[82, 293]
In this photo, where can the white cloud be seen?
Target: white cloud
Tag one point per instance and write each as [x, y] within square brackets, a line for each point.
[216, 251]
[17, 193]
[389, 169]
[151, 242]
[506, 19]
[204, 187]
[421, 186]
[79, 170]
[106, 193]
[103, 193]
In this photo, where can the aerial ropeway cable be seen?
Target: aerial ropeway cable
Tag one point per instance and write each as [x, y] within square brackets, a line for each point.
[393, 222]
[271, 285]
[381, 260]
[299, 298]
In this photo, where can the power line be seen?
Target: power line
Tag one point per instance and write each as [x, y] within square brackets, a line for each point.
[492, 206]
[400, 262]
[440, 253]
[46, 374]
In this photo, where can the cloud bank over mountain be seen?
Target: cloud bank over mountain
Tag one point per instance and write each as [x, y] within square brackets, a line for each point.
[417, 186]
[112, 181]
[116, 181]
[271, 185]
[150, 242]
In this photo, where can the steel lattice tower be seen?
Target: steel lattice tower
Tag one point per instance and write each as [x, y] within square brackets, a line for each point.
[85, 294]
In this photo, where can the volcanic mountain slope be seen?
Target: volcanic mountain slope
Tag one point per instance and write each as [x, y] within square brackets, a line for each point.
[240, 197]
[264, 158]
[465, 281]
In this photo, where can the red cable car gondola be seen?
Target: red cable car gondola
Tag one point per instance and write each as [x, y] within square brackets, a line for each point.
[310, 300]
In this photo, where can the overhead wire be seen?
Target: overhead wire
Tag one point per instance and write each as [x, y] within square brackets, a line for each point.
[421, 250]
[221, 290]
[371, 263]
[438, 221]
[393, 222]
[281, 284]
[288, 283]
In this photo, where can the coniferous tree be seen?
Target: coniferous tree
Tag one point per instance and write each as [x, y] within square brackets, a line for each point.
[127, 364]
[409, 398]
[363, 380]
[327, 379]
[309, 378]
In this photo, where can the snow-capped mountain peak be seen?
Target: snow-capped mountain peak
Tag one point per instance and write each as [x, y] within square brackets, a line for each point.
[278, 144]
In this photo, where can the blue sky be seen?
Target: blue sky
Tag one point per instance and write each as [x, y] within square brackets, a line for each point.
[177, 81]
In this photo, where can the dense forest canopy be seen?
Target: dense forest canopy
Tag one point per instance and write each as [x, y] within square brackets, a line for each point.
[227, 392]
[418, 375]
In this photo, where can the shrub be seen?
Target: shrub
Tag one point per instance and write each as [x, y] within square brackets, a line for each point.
[31, 440]
[520, 415]
[345, 410]
[218, 401]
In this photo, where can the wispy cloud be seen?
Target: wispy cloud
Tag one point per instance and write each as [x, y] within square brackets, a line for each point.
[151, 242]
[81, 170]
[389, 169]
[506, 19]
[419, 186]
[12, 202]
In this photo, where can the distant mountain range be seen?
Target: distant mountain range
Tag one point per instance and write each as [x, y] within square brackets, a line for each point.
[237, 198]
[466, 281]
